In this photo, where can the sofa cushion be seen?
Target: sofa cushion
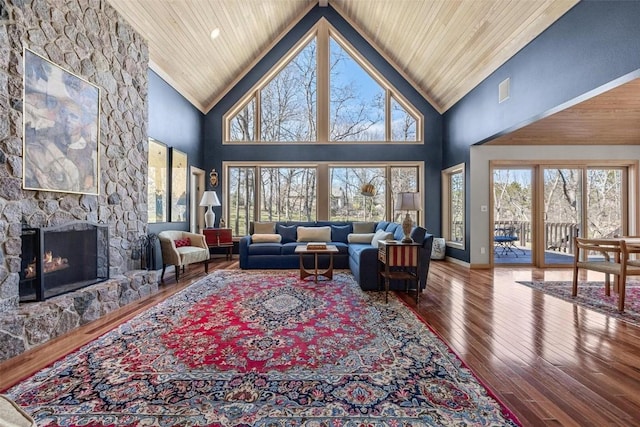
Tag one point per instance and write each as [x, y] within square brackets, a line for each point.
[314, 234]
[264, 227]
[382, 225]
[380, 235]
[418, 234]
[265, 238]
[360, 238]
[363, 227]
[290, 248]
[265, 249]
[340, 233]
[343, 248]
[288, 232]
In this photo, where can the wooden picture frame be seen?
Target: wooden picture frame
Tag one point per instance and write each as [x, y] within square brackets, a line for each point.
[61, 129]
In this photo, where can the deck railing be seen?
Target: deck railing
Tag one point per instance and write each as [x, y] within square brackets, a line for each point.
[558, 235]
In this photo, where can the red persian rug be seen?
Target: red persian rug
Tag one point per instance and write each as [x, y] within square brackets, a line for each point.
[264, 349]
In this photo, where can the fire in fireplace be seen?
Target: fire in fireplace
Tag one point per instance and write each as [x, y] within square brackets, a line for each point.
[61, 259]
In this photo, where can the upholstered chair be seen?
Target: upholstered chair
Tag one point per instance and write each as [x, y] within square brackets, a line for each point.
[180, 248]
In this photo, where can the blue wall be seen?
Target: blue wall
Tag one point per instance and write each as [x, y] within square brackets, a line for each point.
[430, 152]
[176, 123]
[591, 45]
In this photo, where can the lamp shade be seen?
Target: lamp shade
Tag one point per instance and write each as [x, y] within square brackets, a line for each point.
[209, 198]
[407, 202]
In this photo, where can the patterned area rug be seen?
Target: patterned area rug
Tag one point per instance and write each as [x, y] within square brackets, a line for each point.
[264, 349]
[591, 295]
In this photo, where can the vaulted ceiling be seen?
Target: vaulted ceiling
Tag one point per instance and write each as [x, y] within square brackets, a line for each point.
[443, 47]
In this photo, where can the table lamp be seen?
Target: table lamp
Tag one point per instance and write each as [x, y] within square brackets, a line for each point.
[209, 199]
[407, 202]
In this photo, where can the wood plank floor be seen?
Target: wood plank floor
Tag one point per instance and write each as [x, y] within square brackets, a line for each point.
[551, 362]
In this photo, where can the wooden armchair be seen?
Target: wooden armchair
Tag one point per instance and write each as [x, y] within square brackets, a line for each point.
[180, 248]
[612, 256]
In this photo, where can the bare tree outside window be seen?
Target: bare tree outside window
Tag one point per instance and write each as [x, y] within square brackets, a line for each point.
[456, 187]
[403, 124]
[288, 194]
[284, 107]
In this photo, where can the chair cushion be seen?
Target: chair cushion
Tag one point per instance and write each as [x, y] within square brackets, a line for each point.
[13, 415]
[182, 242]
[191, 254]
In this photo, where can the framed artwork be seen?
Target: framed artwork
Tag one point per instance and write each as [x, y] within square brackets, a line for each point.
[61, 129]
[158, 179]
[179, 186]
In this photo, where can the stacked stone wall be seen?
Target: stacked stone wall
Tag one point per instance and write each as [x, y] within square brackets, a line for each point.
[89, 39]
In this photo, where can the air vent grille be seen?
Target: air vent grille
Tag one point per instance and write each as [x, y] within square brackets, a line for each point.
[504, 89]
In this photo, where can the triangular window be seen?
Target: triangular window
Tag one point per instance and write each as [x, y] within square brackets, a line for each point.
[323, 90]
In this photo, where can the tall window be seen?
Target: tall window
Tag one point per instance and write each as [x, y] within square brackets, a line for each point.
[453, 205]
[157, 189]
[323, 90]
[287, 194]
[293, 193]
[241, 196]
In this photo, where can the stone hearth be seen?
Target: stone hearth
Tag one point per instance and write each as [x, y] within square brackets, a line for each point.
[33, 324]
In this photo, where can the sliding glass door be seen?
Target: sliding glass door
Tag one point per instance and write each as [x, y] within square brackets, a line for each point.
[562, 214]
[584, 201]
[538, 209]
[512, 215]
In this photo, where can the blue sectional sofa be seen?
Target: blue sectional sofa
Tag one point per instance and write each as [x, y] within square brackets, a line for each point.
[355, 252]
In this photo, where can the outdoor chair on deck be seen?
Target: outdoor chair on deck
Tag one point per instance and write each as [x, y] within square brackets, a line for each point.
[504, 241]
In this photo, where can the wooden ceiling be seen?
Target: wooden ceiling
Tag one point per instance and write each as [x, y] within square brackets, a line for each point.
[610, 118]
[444, 48]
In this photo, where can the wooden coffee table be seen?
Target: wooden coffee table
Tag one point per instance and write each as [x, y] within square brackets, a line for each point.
[304, 273]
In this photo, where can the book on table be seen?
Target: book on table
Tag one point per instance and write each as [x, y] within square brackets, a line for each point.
[316, 245]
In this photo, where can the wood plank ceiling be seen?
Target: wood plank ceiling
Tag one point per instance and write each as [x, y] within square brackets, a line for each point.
[610, 118]
[444, 48]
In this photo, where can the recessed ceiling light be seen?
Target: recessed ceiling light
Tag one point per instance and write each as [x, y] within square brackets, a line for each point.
[215, 33]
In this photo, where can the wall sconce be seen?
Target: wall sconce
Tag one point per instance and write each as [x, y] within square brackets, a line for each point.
[213, 178]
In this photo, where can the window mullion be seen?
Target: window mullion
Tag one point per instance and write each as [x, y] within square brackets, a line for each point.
[387, 115]
[322, 93]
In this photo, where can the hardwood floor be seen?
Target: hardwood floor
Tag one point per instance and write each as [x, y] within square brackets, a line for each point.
[552, 363]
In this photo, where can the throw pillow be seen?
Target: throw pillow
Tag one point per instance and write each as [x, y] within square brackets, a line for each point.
[182, 242]
[266, 238]
[360, 238]
[340, 233]
[380, 235]
[314, 234]
[363, 227]
[288, 232]
[264, 227]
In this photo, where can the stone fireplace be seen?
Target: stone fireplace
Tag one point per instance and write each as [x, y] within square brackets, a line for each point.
[90, 39]
[57, 260]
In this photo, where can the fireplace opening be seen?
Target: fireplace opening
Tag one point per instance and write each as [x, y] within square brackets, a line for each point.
[57, 260]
